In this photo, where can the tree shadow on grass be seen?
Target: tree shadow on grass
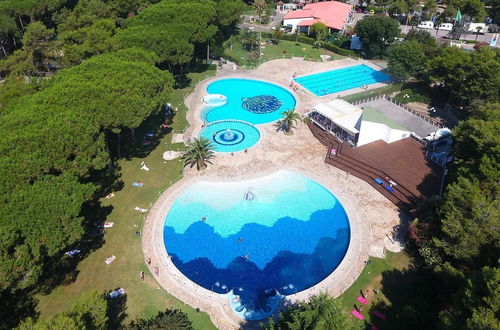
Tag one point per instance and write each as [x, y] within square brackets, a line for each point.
[412, 300]
[117, 308]
[15, 307]
[147, 137]
[62, 269]
[181, 81]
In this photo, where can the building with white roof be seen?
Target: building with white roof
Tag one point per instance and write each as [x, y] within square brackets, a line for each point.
[354, 125]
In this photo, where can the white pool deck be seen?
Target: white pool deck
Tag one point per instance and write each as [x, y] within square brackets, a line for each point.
[371, 215]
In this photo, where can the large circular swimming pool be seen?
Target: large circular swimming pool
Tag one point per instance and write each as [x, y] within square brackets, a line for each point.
[258, 239]
[253, 101]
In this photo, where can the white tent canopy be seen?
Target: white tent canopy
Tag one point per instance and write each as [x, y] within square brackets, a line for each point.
[342, 113]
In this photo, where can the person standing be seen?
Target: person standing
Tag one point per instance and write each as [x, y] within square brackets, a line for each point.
[142, 276]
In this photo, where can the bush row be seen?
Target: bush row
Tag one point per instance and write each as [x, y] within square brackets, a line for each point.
[326, 45]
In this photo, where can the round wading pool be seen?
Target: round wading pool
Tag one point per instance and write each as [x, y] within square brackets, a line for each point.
[231, 135]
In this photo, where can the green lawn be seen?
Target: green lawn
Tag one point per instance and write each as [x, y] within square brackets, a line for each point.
[250, 10]
[284, 49]
[371, 278]
[374, 92]
[143, 299]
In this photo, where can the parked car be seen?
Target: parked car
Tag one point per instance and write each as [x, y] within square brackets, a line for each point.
[426, 25]
[445, 26]
[476, 28]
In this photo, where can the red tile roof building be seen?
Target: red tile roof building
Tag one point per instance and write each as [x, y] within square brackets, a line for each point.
[333, 14]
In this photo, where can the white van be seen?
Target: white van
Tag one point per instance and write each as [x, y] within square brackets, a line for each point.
[426, 25]
[477, 27]
[445, 26]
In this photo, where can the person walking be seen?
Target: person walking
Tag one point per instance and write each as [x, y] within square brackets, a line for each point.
[142, 276]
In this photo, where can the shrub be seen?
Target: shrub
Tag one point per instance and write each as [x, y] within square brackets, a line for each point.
[407, 96]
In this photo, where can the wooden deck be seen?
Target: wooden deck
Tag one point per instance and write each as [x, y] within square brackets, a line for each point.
[402, 162]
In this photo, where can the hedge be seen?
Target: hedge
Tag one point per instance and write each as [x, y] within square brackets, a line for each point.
[310, 41]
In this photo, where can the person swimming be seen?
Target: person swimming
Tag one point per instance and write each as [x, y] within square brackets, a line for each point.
[204, 219]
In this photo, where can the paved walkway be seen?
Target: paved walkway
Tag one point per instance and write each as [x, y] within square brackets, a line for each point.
[371, 215]
[402, 117]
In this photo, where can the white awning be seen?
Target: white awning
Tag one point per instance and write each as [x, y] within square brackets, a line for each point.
[342, 113]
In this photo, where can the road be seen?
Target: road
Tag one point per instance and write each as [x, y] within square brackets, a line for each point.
[276, 21]
[441, 34]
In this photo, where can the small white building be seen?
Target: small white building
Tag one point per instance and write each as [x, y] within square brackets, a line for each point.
[354, 125]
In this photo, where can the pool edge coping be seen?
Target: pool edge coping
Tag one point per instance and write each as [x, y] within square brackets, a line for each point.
[217, 305]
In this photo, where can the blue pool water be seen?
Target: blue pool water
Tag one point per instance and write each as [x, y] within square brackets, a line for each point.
[253, 101]
[342, 79]
[261, 238]
[229, 136]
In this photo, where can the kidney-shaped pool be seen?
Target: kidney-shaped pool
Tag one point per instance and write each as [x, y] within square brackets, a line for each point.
[253, 101]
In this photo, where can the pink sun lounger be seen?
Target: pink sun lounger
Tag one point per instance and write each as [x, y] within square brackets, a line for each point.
[379, 315]
[357, 314]
[362, 300]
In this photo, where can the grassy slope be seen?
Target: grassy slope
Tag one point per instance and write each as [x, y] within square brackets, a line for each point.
[371, 278]
[143, 299]
[285, 48]
[374, 92]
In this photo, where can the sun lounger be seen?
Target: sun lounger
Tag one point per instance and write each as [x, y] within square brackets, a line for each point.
[379, 315]
[117, 293]
[357, 314]
[137, 184]
[378, 180]
[108, 224]
[109, 260]
[389, 188]
[140, 210]
[72, 252]
[362, 300]
[110, 195]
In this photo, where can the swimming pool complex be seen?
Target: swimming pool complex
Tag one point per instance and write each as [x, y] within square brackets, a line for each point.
[256, 240]
[253, 101]
[233, 106]
[334, 81]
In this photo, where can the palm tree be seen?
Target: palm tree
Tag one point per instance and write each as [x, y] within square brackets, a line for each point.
[199, 152]
[286, 123]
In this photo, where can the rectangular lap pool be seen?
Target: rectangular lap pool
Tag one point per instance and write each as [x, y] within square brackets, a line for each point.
[341, 79]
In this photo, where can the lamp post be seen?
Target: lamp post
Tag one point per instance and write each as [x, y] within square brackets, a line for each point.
[208, 50]
[442, 182]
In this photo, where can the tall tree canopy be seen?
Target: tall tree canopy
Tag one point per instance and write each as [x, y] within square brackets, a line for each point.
[377, 33]
[321, 312]
[57, 136]
[467, 76]
[171, 29]
[406, 60]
